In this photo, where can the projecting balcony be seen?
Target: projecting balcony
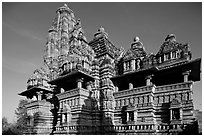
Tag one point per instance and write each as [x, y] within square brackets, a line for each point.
[84, 70]
[135, 128]
[177, 86]
[130, 92]
[74, 129]
[153, 88]
[36, 103]
[73, 92]
[109, 129]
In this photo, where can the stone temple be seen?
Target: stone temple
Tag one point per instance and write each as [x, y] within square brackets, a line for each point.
[97, 88]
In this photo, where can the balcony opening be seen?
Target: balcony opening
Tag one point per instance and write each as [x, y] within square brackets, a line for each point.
[176, 111]
[131, 115]
[176, 114]
[70, 86]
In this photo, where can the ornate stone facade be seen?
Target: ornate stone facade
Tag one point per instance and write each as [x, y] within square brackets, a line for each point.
[97, 88]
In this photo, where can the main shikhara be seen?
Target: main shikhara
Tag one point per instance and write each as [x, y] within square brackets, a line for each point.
[97, 88]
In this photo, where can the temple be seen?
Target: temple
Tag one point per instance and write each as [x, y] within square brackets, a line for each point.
[97, 88]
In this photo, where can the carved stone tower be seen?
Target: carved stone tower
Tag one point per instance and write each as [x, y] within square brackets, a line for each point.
[96, 88]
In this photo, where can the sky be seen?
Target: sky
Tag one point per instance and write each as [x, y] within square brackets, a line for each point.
[25, 28]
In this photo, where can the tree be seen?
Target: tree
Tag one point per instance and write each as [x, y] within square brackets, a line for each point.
[5, 125]
[8, 128]
[21, 112]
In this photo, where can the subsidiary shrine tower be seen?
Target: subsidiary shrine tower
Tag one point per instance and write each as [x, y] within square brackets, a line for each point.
[97, 88]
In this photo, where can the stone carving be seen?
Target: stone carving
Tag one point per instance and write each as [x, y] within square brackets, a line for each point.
[170, 46]
[175, 101]
[175, 114]
[138, 64]
[170, 38]
[40, 77]
[67, 50]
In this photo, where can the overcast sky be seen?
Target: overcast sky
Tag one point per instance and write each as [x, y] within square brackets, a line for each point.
[25, 26]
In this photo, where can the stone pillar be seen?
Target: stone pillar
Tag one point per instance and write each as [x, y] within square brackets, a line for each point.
[61, 90]
[39, 95]
[186, 74]
[70, 66]
[171, 55]
[127, 116]
[79, 83]
[160, 60]
[116, 88]
[190, 95]
[63, 118]
[170, 114]
[133, 64]
[148, 80]
[164, 57]
[88, 86]
[130, 86]
[124, 66]
[181, 113]
[135, 116]
[61, 105]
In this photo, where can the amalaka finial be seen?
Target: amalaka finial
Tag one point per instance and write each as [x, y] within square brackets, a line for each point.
[64, 7]
[136, 39]
[101, 29]
[136, 43]
[170, 37]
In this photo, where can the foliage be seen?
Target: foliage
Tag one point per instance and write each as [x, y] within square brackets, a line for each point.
[21, 113]
[5, 125]
[8, 128]
[19, 127]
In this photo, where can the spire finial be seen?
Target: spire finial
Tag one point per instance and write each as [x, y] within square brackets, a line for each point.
[136, 43]
[171, 37]
[136, 39]
[101, 31]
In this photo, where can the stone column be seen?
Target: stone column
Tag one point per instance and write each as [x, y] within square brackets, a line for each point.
[79, 83]
[127, 116]
[135, 116]
[116, 88]
[130, 86]
[70, 67]
[170, 114]
[190, 95]
[148, 80]
[171, 55]
[88, 86]
[61, 90]
[186, 74]
[63, 118]
[61, 105]
[181, 113]
[124, 66]
[133, 64]
[39, 95]
[164, 57]
[160, 60]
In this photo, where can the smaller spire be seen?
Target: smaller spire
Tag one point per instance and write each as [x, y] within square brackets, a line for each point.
[64, 8]
[136, 43]
[101, 29]
[101, 32]
[136, 39]
[170, 38]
